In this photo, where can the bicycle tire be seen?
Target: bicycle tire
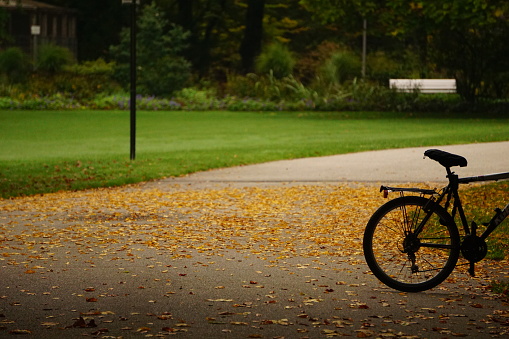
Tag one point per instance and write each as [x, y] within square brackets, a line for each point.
[405, 262]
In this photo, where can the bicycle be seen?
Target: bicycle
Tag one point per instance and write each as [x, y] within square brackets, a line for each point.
[412, 243]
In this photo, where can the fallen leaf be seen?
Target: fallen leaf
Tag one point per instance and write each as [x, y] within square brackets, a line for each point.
[364, 333]
[48, 324]
[20, 332]
[80, 323]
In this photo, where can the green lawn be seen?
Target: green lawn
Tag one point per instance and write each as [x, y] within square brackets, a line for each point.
[45, 151]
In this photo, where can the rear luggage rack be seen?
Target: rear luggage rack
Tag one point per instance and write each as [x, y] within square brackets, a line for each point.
[422, 191]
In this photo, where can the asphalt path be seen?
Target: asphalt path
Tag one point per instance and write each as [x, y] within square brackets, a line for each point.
[395, 165]
[96, 264]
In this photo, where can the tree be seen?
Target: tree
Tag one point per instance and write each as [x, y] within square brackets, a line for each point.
[161, 68]
[352, 20]
[205, 20]
[470, 41]
[347, 12]
[465, 39]
[251, 45]
[268, 22]
[215, 32]
[3, 26]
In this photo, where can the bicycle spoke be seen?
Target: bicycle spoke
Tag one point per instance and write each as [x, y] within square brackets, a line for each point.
[433, 267]
[407, 226]
[416, 218]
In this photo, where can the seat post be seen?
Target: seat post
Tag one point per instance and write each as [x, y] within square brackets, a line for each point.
[453, 178]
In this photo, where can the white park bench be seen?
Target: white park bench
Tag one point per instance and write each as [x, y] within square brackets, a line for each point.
[424, 85]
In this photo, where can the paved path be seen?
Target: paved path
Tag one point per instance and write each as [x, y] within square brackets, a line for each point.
[397, 165]
[232, 253]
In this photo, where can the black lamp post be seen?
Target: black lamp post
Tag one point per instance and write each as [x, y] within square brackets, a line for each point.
[133, 4]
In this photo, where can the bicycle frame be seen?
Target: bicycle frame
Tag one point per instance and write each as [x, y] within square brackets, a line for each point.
[499, 216]
[450, 192]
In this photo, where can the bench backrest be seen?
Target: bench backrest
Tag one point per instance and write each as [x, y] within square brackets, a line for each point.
[424, 85]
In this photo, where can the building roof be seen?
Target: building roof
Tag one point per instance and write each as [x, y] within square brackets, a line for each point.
[28, 4]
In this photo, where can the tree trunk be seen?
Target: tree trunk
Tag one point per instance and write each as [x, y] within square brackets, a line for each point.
[186, 19]
[251, 45]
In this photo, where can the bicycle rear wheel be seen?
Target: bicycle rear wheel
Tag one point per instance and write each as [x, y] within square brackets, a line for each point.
[404, 260]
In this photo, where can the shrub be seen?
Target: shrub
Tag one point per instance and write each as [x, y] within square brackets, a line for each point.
[198, 99]
[56, 102]
[381, 68]
[52, 58]
[79, 81]
[96, 67]
[341, 66]
[14, 63]
[164, 76]
[78, 86]
[289, 91]
[277, 59]
[309, 63]
[238, 85]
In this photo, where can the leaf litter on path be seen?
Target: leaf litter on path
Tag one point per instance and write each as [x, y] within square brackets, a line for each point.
[269, 262]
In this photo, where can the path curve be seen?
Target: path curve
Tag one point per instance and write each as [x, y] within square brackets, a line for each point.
[394, 165]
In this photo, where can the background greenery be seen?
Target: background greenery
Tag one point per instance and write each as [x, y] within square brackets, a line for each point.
[313, 47]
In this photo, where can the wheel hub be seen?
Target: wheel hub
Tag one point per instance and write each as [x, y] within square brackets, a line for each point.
[411, 243]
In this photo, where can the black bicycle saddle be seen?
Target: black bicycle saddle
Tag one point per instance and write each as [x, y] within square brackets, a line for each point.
[446, 159]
